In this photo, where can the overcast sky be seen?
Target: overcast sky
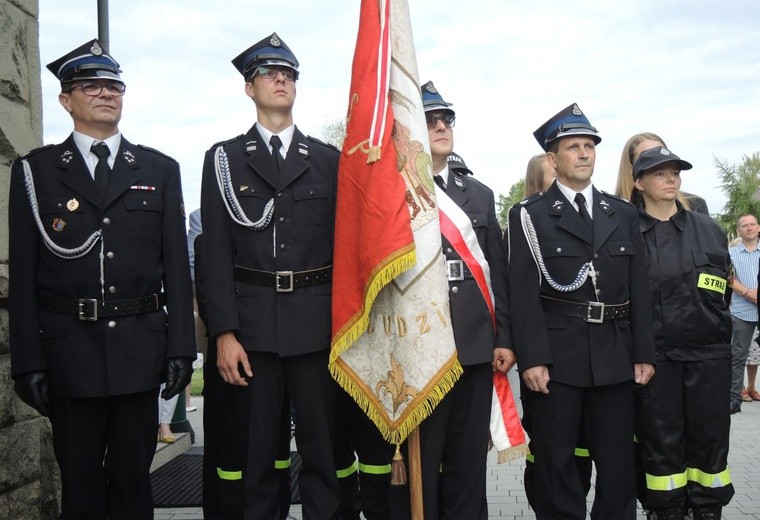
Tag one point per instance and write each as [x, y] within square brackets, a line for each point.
[688, 71]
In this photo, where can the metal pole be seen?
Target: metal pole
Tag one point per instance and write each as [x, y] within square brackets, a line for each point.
[103, 32]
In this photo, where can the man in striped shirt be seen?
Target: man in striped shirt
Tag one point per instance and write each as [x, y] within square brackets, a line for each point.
[746, 257]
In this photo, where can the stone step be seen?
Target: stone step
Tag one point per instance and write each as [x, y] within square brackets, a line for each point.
[166, 452]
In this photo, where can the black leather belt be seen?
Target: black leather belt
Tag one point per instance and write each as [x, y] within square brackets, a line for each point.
[591, 312]
[283, 281]
[90, 309]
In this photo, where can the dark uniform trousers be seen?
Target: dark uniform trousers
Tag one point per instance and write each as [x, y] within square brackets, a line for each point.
[582, 454]
[217, 479]
[104, 374]
[286, 335]
[676, 439]
[363, 462]
[454, 438]
[590, 364]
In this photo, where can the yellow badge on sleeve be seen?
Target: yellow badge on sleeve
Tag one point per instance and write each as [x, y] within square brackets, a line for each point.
[712, 283]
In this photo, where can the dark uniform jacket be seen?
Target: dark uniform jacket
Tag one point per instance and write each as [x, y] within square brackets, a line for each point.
[474, 331]
[144, 252]
[580, 353]
[299, 238]
[688, 271]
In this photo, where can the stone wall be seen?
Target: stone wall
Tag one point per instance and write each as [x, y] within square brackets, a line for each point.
[29, 481]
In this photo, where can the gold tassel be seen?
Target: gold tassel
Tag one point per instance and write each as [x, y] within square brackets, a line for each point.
[374, 154]
[398, 469]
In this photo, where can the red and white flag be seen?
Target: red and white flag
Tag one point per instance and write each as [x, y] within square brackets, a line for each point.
[393, 347]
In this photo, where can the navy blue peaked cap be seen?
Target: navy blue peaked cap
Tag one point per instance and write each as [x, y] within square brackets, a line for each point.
[432, 99]
[271, 50]
[569, 121]
[88, 61]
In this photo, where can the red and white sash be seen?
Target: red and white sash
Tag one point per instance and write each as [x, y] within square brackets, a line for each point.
[506, 431]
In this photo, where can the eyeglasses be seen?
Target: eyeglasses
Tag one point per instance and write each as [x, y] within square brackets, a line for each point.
[94, 89]
[432, 120]
[271, 73]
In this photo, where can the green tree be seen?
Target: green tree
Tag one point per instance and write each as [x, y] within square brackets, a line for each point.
[739, 183]
[504, 203]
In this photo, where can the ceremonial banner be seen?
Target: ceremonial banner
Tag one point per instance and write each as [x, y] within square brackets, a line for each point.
[393, 347]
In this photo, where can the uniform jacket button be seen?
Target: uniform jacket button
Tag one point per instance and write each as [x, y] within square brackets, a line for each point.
[112, 289]
[559, 249]
[110, 255]
[111, 324]
[106, 221]
[622, 248]
[282, 246]
[455, 289]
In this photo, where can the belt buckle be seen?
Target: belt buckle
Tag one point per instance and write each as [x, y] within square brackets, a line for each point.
[595, 312]
[283, 275]
[84, 315]
[455, 270]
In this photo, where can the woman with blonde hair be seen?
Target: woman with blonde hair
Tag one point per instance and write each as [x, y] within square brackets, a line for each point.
[633, 147]
[539, 175]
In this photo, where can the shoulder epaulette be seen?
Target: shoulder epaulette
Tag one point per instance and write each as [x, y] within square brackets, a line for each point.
[318, 141]
[35, 151]
[158, 152]
[615, 197]
[228, 141]
[530, 200]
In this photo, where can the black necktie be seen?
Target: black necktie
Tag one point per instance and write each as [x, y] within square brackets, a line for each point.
[276, 143]
[580, 200]
[439, 182]
[102, 170]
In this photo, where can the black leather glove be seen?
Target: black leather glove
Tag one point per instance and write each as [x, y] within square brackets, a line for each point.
[178, 373]
[34, 390]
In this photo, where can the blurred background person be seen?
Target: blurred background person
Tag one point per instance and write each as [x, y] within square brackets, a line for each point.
[539, 175]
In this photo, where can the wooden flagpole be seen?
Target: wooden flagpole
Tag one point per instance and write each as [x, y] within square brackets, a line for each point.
[415, 475]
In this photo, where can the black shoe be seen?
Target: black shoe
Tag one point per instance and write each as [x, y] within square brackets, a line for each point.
[706, 513]
[735, 408]
[675, 513]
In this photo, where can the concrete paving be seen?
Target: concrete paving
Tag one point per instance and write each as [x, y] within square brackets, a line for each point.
[506, 496]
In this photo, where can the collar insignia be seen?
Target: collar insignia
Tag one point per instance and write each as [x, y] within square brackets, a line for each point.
[67, 156]
[128, 157]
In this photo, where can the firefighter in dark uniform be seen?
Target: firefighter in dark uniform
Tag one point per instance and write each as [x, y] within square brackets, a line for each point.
[454, 438]
[214, 403]
[682, 415]
[267, 207]
[96, 251]
[581, 323]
